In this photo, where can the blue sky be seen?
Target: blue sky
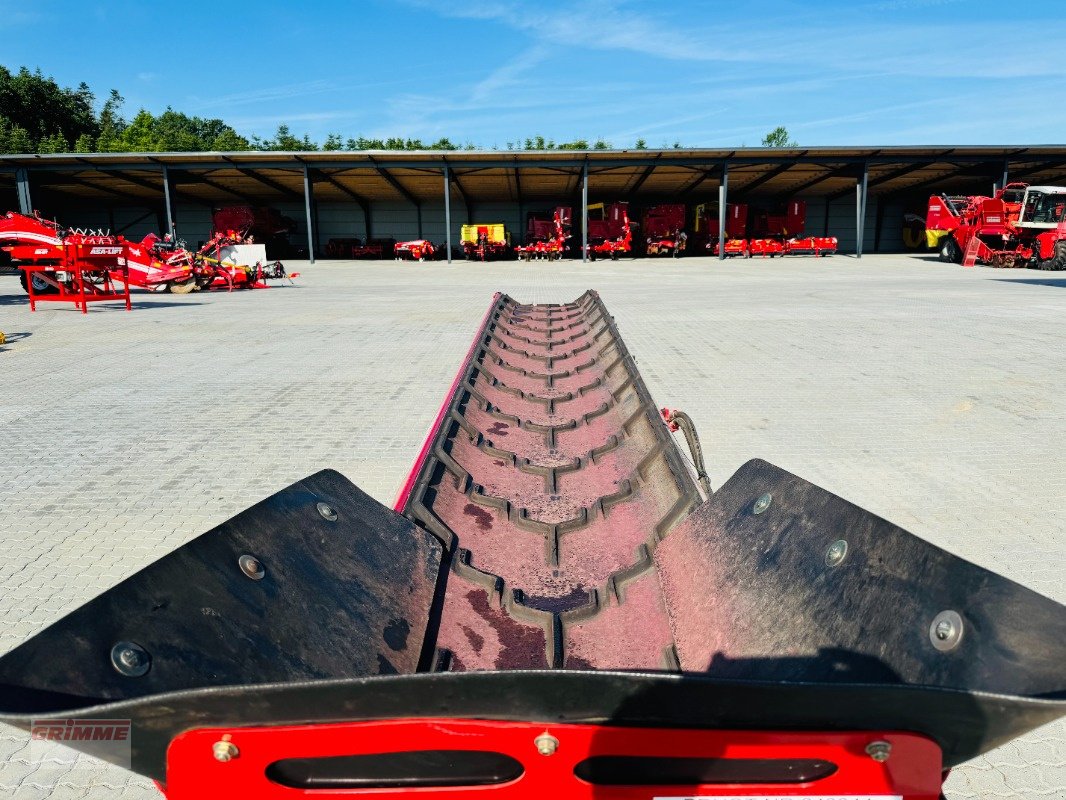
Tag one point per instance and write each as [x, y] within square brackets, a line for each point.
[711, 74]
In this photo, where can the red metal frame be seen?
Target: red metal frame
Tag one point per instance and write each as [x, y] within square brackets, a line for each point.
[912, 770]
[85, 291]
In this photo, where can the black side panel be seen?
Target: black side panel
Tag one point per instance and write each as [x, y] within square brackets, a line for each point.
[338, 586]
[801, 585]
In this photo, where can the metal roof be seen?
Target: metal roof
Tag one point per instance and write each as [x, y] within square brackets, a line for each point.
[689, 174]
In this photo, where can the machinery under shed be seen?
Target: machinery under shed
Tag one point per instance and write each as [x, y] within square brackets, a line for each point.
[861, 195]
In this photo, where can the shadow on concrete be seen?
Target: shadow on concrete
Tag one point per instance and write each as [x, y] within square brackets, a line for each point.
[11, 338]
[1036, 281]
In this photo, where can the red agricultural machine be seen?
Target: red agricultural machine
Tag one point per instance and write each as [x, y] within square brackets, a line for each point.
[706, 231]
[38, 242]
[43, 249]
[555, 606]
[609, 230]
[486, 242]
[546, 235]
[354, 248]
[776, 231]
[256, 225]
[663, 228]
[1021, 226]
[416, 250]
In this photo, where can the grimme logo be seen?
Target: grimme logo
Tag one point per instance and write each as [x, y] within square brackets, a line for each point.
[107, 739]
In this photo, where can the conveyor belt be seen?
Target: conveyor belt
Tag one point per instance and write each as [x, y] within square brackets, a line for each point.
[553, 479]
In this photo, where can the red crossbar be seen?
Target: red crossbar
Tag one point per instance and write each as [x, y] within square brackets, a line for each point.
[547, 759]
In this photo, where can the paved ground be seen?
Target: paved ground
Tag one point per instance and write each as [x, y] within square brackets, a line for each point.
[930, 394]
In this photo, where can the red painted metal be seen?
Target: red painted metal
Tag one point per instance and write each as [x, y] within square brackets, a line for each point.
[733, 247]
[87, 282]
[811, 245]
[765, 248]
[911, 772]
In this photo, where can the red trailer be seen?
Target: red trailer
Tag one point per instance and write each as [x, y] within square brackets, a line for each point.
[664, 232]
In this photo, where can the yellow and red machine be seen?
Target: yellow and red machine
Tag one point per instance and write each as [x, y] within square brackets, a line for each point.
[486, 241]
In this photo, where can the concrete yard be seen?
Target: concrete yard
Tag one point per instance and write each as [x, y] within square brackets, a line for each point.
[930, 394]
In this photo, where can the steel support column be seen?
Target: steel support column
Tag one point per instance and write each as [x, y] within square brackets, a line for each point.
[1006, 173]
[879, 223]
[585, 210]
[860, 208]
[169, 204]
[448, 212]
[723, 198]
[22, 181]
[308, 190]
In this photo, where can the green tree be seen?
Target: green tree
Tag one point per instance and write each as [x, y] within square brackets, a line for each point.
[229, 141]
[778, 137]
[111, 124]
[284, 140]
[333, 142]
[641, 144]
[42, 109]
[18, 140]
[54, 143]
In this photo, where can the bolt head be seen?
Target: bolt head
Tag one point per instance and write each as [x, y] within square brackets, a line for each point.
[836, 553]
[546, 744]
[327, 511]
[130, 659]
[945, 631]
[252, 567]
[224, 751]
[762, 503]
[879, 751]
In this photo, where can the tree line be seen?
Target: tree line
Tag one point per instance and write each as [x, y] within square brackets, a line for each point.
[37, 115]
